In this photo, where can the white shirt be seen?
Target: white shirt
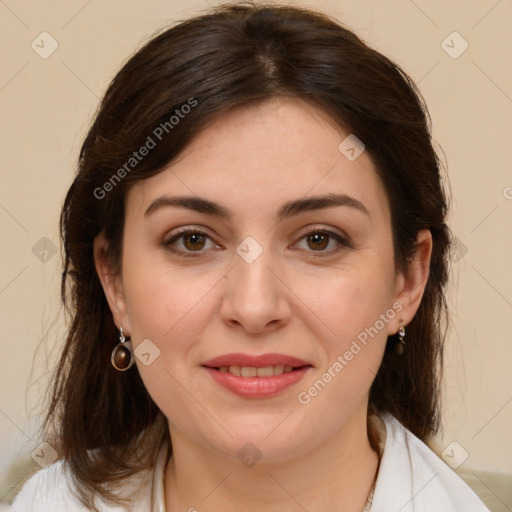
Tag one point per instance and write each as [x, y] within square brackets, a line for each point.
[411, 478]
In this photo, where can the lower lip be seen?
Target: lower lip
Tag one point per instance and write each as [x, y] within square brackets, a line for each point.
[257, 387]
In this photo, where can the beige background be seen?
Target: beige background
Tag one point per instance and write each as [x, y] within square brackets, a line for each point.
[47, 104]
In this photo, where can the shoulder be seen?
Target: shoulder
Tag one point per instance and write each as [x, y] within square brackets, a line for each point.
[48, 489]
[52, 489]
[412, 478]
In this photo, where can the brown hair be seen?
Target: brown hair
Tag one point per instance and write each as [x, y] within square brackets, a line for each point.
[233, 56]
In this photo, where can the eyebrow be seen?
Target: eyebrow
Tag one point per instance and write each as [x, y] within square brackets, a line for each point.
[288, 209]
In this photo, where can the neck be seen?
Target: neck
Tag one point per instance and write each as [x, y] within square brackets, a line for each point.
[339, 470]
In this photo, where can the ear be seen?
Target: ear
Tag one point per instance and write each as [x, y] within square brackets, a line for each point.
[410, 285]
[111, 282]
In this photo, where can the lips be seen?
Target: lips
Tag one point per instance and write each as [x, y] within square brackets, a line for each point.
[256, 376]
[255, 361]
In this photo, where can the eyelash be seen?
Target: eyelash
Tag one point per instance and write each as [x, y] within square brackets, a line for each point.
[195, 254]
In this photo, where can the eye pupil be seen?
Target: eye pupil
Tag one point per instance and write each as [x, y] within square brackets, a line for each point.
[320, 241]
[192, 240]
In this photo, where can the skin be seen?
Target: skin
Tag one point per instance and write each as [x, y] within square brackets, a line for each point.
[293, 299]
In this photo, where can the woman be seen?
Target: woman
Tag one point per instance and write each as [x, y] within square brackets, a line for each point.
[256, 252]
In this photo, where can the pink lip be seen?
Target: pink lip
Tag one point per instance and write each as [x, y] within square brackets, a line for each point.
[257, 387]
[261, 361]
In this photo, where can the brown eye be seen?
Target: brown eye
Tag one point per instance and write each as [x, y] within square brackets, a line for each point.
[323, 242]
[190, 242]
[194, 241]
[318, 241]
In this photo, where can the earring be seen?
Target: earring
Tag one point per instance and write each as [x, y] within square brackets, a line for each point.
[122, 356]
[400, 346]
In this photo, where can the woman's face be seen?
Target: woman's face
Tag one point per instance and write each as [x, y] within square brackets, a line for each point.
[255, 281]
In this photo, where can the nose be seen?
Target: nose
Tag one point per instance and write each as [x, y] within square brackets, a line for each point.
[255, 299]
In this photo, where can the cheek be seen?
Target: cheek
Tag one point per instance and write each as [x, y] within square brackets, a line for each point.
[355, 306]
[172, 309]
[161, 297]
[174, 314]
[356, 313]
[350, 299]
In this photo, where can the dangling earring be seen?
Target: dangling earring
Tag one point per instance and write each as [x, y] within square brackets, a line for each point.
[122, 356]
[400, 346]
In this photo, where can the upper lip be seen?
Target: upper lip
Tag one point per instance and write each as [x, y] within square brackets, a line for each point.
[255, 361]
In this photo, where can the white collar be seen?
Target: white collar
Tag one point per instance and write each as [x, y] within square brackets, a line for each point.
[411, 478]
[157, 487]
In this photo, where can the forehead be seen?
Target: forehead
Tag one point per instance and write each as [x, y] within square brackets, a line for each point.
[253, 159]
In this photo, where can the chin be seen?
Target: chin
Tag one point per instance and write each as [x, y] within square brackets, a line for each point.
[263, 443]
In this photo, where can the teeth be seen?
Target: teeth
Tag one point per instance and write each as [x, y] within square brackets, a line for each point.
[235, 370]
[251, 371]
[279, 369]
[248, 371]
[266, 371]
